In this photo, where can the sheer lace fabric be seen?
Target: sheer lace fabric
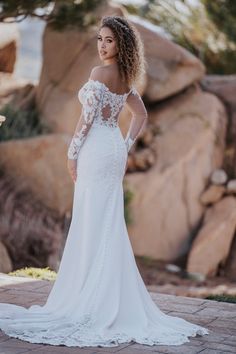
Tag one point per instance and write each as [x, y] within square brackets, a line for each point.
[98, 297]
[100, 106]
[139, 118]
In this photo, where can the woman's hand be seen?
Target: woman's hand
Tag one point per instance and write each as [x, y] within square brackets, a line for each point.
[72, 167]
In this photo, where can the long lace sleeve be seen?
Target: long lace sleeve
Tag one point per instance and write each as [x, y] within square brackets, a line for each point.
[139, 117]
[91, 99]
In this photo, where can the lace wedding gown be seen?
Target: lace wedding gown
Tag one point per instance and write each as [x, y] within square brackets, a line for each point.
[99, 297]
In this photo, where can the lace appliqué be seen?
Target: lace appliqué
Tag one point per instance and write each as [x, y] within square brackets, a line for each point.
[139, 116]
[101, 107]
[111, 105]
[83, 333]
[91, 101]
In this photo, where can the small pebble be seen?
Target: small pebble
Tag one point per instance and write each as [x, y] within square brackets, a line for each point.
[219, 176]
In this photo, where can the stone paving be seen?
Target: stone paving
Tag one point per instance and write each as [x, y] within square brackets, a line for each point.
[218, 317]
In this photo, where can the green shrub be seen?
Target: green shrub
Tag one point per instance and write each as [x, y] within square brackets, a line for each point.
[128, 195]
[223, 297]
[20, 124]
[59, 14]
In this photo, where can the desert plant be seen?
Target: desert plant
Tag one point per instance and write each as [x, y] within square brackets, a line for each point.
[223, 297]
[205, 28]
[58, 14]
[128, 195]
[21, 124]
[36, 273]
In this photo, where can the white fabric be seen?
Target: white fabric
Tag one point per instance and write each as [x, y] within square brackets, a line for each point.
[100, 106]
[99, 297]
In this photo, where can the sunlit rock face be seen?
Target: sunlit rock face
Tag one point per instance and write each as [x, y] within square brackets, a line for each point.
[183, 141]
[39, 163]
[70, 56]
[166, 206]
[211, 246]
[170, 67]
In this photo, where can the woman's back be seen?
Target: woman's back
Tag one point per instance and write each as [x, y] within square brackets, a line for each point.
[112, 78]
[102, 105]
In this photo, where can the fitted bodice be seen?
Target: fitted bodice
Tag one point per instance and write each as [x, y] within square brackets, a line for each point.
[101, 107]
[108, 104]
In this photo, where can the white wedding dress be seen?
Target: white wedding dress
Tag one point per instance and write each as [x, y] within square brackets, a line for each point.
[99, 297]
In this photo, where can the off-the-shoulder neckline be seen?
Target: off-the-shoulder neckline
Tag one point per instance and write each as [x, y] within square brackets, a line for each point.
[107, 88]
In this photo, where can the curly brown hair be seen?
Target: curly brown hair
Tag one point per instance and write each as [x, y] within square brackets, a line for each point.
[130, 56]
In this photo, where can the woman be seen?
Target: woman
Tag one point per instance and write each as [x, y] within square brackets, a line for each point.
[99, 297]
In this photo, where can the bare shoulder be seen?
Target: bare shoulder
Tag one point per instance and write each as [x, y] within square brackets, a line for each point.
[97, 73]
[109, 76]
[103, 73]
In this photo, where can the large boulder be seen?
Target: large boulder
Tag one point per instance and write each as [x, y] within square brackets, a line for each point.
[70, 56]
[212, 244]
[31, 233]
[224, 86]
[170, 67]
[39, 163]
[9, 38]
[10, 87]
[230, 264]
[5, 260]
[212, 194]
[166, 205]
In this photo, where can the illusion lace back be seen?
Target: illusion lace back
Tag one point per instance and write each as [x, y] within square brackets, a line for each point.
[100, 106]
[99, 297]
